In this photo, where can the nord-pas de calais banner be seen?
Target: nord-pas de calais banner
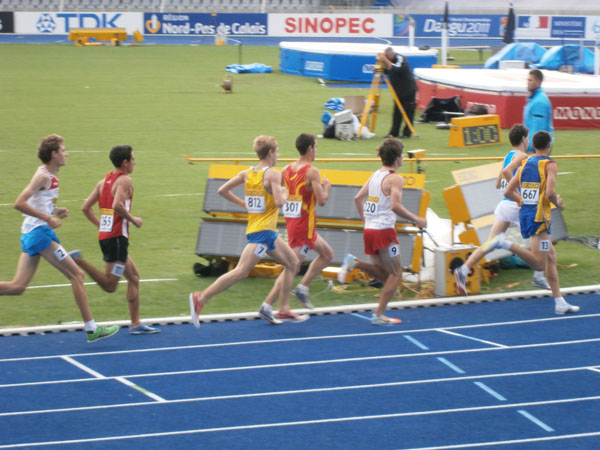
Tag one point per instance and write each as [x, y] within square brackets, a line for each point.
[7, 22]
[330, 25]
[204, 24]
[63, 22]
[428, 25]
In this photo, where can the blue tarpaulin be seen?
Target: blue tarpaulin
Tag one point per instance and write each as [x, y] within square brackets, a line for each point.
[530, 52]
[581, 58]
[248, 68]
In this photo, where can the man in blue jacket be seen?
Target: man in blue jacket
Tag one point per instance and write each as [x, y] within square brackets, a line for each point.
[537, 115]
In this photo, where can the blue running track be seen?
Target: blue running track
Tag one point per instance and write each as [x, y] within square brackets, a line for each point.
[507, 374]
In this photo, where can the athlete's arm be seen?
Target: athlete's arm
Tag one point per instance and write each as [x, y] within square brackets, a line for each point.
[39, 181]
[273, 183]
[320, 188]
[122, 189]
[395, 184]
[359, 200]
[515, 163]
[512, 189]
[225, 189]
[87, 207]
[551, 169]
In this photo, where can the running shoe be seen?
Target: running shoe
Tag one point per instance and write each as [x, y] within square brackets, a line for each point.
[460, 281]
[195, 308]
[101, 333]
[75, 254]
[499, 241]
[566, 309]
[383, 320]
[540, 282]
[143, 329]
[267, 314]
[303, 298]
[347, 265]
[291, 316]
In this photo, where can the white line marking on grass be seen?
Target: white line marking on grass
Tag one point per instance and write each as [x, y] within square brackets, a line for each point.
[83, 367]
[304, 422]
[449, 364]
[146, 392]
[490, 391]
[535, 420]
[282, 393]
[90, 283]
[416, 342]
[564, 173]
[470, 337]
[178, 195]
[514, 441]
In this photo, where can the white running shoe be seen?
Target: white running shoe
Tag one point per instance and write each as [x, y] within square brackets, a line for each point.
[347, 265]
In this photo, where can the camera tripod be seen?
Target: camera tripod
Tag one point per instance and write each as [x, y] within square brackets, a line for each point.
[372, 104]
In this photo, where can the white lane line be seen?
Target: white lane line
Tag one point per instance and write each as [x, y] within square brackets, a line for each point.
[146, 392]
[83, 367]
[361, 316]
[490, 391]
[338, 388]
[594, 369]
[441, 330]
[514, 441]
[313, 338]
[535, 420]
[178, 195]
[148, 280]
[304, 422]
[419, 344]
[449, 364]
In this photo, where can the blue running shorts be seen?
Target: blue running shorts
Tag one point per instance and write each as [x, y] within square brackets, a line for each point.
[266, 237]
[38, 240]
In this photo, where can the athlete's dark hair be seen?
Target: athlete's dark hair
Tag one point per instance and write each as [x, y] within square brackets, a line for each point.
[48, 145]
[538, 74]
[304, 141]
[517, 133]
[541, 140]
[390, 150]
[120, 153]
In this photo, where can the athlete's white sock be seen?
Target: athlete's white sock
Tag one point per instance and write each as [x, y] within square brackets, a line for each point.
[266, 306]
[538, 274]
[90, 327]
[560, 302]
[464, 270]
[303, 289]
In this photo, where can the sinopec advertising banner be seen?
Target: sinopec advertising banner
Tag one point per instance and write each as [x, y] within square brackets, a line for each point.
[198, 24]
[330, 25]
[63, 22]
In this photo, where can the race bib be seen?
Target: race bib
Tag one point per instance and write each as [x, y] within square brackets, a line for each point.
[545, 245]
[107, 217]
[304, 250]
[393, 250]
[255, 201]
[371, 207]
[261, 250]
[60, 253]
[503, 184]
[530, 193]
[292, 208]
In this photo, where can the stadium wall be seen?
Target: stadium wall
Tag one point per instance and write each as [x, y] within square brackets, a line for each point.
[488, 28]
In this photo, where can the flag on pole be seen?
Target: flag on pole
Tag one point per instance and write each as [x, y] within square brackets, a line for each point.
[509, 31]
[445, 19]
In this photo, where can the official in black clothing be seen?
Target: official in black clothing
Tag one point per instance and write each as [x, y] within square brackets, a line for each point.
[402, 81]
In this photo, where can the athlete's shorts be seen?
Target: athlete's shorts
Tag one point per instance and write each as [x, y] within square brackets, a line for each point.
[298, 238]
[530, 227]
[266, 237]
[507, 211]
[378, 239]
[38, 240]
[114, 249]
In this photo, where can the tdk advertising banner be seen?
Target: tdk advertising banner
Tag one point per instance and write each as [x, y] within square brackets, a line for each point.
[63, 22]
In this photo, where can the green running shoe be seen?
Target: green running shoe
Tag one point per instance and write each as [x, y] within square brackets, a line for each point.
[101, 333]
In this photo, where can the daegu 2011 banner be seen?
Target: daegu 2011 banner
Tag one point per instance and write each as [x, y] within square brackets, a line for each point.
[200, 24]
[430, 25]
